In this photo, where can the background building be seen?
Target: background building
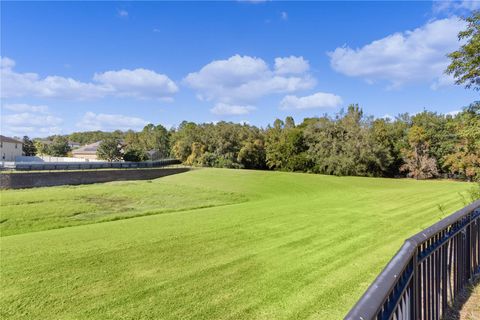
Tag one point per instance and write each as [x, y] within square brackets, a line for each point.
[88, 151]
[10, 148]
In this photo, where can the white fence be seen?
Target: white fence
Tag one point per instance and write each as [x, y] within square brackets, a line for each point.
[36, 159]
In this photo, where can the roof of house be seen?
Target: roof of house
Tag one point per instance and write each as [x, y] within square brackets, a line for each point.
[8, 139]
[88, 149]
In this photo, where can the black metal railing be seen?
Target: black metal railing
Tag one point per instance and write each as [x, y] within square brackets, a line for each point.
[93, 165]
[427, 273]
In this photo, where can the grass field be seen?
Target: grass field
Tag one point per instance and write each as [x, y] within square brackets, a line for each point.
[208, 244]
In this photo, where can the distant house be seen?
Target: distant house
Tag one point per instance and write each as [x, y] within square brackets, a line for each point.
[74, 145]
[10, 148]
[88, 151]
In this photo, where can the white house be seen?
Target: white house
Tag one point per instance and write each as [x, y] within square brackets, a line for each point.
[10, 148]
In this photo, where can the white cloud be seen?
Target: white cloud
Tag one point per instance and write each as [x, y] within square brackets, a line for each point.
[453, 113]
[387, 117]
[228, 109]
[317, 100]
[123, 13]
[454, 5]
[6, 63]
[23, 107]
[29, 119]
[284, 15]
[138, 83]
[253, 1]
[411, 56]
[102, 121]
[444, 80]
[291, 65]
[243, 79]
[31, 123]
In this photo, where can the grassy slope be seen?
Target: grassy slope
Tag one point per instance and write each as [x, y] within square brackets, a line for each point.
[292, 246]
[50, 208]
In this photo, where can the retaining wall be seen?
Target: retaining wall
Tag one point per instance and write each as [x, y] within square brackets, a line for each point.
[48, 179]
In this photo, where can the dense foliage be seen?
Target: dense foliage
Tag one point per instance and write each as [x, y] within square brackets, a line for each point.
[56, 147]
[425, 145]
[422, 146]
[28, 147]
[465, 62]
[88, 137]
[110, 149]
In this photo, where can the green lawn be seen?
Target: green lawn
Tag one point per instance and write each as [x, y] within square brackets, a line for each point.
[208, 244]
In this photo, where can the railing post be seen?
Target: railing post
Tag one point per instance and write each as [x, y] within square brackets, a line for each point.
[416, 287]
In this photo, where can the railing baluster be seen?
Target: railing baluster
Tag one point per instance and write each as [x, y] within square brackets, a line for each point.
[427, 273]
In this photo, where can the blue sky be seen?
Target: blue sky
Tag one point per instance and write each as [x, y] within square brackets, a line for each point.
[72, 66]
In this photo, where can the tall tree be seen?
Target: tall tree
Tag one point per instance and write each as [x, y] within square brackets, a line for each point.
[110, 150]
[464, 160]
[155, 138]
[418, 163]
[252, 155]
[285, 146]
[465, 62]
[28, 147]
[59, 147]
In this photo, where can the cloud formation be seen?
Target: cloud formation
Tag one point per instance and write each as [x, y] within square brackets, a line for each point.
[406, 57]
[137, 83]
[455, 5]
[29, 119]
[23, 107]
[316, 100]
[109, 122]
[123, 13]
[228, 109]
[241, 80]
[291, 65]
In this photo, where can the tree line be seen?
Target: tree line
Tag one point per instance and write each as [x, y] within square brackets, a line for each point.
[421, 146]
[425, 145]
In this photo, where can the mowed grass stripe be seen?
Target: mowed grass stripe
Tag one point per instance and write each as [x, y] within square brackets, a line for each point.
[279, 245]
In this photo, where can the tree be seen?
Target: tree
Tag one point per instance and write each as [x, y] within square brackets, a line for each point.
[184, 137]
[88, 137]
[155, 138]
[252, 155]
[110, 150]
[195, 157]
[135, 155]
[465, 62]
[418, 163]
[347, 145]
[464, 159]
[59, 147]
[28, 147]
[40, 147]
[285, 146]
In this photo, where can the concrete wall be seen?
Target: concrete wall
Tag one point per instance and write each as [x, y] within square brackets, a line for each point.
[47, 179]
[10, 150]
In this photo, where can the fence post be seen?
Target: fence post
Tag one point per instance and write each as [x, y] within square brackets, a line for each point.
[416, 287]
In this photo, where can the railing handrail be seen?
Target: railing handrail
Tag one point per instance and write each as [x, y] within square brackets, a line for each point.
[423, 235]
[374, 297]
